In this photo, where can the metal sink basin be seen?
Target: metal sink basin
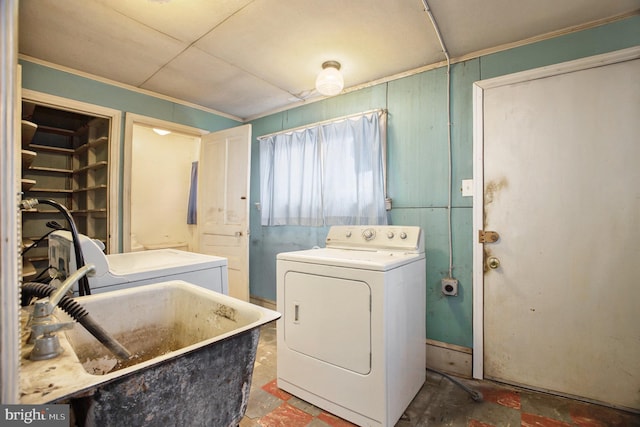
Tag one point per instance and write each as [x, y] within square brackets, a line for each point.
[194, 352]
[160, 321]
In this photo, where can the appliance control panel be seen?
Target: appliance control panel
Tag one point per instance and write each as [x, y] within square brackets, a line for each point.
[376, 237]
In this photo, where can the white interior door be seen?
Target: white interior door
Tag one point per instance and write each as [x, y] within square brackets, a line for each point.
[223, 202]
[562, 189]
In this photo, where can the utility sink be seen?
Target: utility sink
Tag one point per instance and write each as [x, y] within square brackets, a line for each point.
[159, 321]
[188, 343]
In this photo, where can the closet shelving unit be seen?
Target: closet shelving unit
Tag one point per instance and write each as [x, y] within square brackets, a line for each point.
[28, 130]
[67, 163]
[90, 178]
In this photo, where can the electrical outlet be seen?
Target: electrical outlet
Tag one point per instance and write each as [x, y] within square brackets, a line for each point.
[450, 286]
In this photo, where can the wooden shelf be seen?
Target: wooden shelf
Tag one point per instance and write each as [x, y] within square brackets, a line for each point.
[95, 187]
[50, 190]
[91, 166]
[57, 131]
[51, 149]
[41, 211]
[54, 170]
[37, 258]
[27, 184]
[91, 144]
[28, 270]
[27, 158]
[88, 211]
[28, 130]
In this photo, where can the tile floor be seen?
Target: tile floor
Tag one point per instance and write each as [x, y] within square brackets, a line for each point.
[439, 403]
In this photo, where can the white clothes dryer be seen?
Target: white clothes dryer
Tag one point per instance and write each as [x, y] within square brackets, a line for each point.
[351, 339]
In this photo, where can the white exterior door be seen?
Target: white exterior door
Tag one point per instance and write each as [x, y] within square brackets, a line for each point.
[561, 187]
[223, 202]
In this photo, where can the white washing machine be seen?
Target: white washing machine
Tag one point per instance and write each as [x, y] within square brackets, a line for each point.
[351, 339]
[126, 270]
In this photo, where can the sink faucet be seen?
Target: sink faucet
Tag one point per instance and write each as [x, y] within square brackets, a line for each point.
[46, 344]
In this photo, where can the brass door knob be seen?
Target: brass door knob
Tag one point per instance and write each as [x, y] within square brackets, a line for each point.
[493, 262]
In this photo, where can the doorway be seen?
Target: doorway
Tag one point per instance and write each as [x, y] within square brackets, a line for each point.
[555, 295]
[161, 180]
[161, 167]
[157, 182]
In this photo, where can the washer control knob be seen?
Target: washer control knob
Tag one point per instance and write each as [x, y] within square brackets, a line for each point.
[348, 233]
[368, 234]
[403, 235]
[390, 234]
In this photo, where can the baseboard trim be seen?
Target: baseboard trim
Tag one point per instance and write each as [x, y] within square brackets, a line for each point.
[263, 302]
[449, 358]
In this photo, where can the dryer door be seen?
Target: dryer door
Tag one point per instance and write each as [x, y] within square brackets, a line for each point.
[329, 319]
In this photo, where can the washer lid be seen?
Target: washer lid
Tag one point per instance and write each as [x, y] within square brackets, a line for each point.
[161, 262]
[365, 260]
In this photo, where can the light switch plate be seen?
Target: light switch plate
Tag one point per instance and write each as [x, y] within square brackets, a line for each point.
[467, 188]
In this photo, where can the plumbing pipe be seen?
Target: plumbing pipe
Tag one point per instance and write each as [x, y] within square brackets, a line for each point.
[80, 314]
[446, 54]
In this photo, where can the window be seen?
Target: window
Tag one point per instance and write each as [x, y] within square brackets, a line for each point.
[332, 173]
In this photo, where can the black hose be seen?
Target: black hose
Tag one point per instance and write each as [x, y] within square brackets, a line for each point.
[36, 243]
[475, 395]
[42, 273]
[83, 283]
[80, 314]
[55, 225]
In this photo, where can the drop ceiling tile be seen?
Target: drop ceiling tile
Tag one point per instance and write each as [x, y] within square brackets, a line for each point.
[472, 25]
[207, 81]
[87, 36]
[184, 20]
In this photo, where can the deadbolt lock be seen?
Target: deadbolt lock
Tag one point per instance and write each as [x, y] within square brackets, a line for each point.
[493, 262]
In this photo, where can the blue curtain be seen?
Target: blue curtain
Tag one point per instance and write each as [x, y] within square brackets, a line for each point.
[193, 195]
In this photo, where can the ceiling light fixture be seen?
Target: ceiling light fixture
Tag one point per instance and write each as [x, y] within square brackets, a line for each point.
[162, 132]
[330, 81]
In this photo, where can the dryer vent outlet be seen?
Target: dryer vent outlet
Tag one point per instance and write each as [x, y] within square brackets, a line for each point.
[450, 286]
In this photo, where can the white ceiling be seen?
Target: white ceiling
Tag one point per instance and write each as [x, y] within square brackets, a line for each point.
[246, 58]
